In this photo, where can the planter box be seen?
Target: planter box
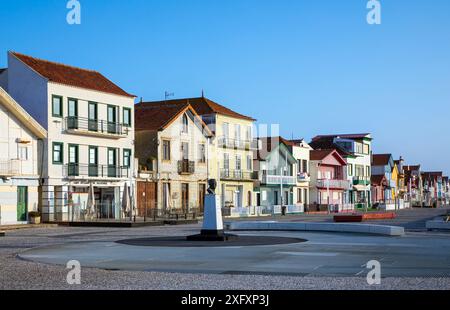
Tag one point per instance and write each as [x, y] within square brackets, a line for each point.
[35, 220]
[355, 218]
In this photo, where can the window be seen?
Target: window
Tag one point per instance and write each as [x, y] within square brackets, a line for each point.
[166, 150]
[72, 110]
[92, 116]
[249, 163]
[185, 150]
[127, 117]
[350, 169]
[366, 149]
[368, 171]
[225, 129]
[359, 170]
[248, 134]
[73, 168]
[112, 163]
[305, 166]
[359, 148]
[23, 153]
[58, 153]
[202, 153]
[127, 158]
[299, 195]
[237, 132]
[238, 163]
[185, 128]
[57, 106]
[112, 119]
[305, 196]
[93, 161]
[226, 161]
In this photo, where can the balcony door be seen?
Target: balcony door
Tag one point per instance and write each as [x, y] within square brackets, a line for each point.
[93, 116]
[73, 160]
[185, 196]
[72, 113]
[93, 161]
[112, 119]
[112, 163]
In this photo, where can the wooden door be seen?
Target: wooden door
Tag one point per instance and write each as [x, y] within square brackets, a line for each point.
[146, 198]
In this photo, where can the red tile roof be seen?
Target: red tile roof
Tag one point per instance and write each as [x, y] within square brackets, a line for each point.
[71, 76]
[204, 106]
[157, 116]
[380, 159]
[327, 143]
[321, 154]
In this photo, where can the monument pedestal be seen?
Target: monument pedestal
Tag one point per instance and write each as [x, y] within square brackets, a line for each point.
[212, 229]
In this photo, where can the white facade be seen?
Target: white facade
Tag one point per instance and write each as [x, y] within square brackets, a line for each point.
[301, 151]
[79, 150]
[21, 140]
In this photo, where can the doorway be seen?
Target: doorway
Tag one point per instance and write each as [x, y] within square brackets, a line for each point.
[185, 196]
[22, 203]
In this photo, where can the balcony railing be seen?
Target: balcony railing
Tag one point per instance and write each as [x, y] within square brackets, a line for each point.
[278, 179]
[303, 177]
[96, 171]
[333, 183]
[237, 144]
[186, 167]
[95, 127]
[226, 174]
[358, 180]
[9, 167]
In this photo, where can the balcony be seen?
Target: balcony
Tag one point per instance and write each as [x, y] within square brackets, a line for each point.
[358, 180]
[237, 175]
[333, 183]
[237, 144]
[186, 167]
[278, 179]
[98, 128]
[9, 167]
[96, 171]
[303, 177]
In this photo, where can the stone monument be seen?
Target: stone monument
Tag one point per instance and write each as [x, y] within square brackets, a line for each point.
[212, 229]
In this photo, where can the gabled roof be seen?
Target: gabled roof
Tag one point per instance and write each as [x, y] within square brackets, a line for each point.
[377, 179]
[322, 154]
[205, 106]
[71, 76]
[26, 119]
[268, 144]
[158, 116]
[381, 159]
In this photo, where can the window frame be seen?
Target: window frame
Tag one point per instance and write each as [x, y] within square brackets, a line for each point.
[61, 153]
[163, 150]
[124, 151]
[130, 122]
[61, 106]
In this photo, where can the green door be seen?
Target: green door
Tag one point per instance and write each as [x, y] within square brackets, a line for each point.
[22, 197]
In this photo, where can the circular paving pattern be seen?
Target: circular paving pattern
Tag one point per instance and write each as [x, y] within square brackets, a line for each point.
[182, 242]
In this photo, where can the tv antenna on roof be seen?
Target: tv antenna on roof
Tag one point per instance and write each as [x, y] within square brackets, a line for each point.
[167, 95]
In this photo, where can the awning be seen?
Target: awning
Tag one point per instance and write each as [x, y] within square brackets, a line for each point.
[360, 188]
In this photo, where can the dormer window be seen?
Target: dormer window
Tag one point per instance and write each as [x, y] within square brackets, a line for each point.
[185, 128]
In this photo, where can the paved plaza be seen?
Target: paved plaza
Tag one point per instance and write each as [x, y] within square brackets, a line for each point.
[35, 258]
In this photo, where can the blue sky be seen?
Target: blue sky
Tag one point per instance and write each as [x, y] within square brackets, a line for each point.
[314, 67]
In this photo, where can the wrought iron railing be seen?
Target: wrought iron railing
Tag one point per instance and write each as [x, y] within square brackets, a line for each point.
[227, 174]
[74, 123]
[186, 167]
[237, 143]
[100, 171]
